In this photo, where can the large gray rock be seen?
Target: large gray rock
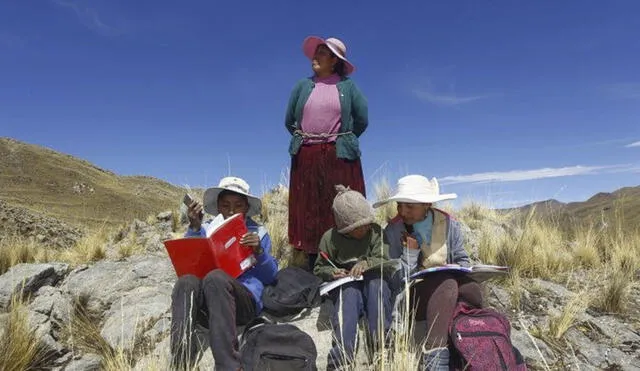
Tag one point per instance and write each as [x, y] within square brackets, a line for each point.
[87, 362]
[27, 279]
[160, 357]
[535, 351]
[107, 281]
[136, 311]
[599, 355]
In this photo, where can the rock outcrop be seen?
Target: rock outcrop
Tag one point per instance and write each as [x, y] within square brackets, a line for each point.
[45, 230]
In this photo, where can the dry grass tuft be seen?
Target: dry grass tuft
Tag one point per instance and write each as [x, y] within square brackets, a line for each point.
[20, 348]
[89, 249]
[83, 333]
[539, 247]
[560, 324]
[129, 246]
[275, 216]
[15, 250]
[385, 213]
[614, 295]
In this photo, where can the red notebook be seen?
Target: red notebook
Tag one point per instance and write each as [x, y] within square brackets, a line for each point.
[220, 250]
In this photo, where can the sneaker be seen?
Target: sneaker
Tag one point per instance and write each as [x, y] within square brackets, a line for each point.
[435, 359]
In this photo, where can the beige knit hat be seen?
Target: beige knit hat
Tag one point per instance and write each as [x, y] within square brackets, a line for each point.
[351, 210]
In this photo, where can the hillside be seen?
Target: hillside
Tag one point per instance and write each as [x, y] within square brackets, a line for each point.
[76, 191]
[601, 209]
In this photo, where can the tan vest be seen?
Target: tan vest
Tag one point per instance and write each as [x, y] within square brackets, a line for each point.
[435, 253]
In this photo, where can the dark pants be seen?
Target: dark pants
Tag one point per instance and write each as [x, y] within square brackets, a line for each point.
[312, 261]
[435, 299]
[351, 301]
[219, 302]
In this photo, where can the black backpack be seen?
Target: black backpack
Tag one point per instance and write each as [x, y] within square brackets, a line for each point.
[294, 290]
[269, 346]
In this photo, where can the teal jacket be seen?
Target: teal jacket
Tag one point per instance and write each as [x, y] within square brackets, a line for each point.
[355, 118]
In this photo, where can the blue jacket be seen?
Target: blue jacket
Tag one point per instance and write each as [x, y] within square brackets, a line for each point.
[456, 253]
[264, 272]
[354, 116]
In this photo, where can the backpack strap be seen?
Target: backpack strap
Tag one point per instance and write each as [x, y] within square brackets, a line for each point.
[253, 324]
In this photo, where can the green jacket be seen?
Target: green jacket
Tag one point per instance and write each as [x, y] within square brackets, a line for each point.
[345, 252]
[355, 118]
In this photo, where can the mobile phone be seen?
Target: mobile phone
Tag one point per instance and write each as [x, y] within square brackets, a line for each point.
[187, 200]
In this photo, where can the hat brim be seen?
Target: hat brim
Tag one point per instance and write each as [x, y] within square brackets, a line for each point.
[310, 45]
[417, 199]
[210, 201]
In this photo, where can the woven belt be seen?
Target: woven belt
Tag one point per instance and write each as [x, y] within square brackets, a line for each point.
[320, 135]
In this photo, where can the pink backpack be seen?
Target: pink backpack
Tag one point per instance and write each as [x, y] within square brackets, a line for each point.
[481, 340]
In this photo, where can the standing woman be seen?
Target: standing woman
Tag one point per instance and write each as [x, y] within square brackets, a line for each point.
[325, 116]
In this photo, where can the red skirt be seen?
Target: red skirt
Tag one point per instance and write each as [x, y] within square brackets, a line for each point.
[315, 171]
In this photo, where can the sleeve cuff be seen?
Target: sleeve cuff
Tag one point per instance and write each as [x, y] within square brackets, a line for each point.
[191, 233]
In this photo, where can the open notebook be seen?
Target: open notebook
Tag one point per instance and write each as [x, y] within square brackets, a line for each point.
[479, 272]
[326, 287]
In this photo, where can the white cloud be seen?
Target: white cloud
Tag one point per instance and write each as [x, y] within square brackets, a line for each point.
[450, 99]
[434, 93]
[634, 144]
[522, 175]
[90, 17]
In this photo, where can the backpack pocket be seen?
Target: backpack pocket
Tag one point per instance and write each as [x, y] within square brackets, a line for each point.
[278, 362]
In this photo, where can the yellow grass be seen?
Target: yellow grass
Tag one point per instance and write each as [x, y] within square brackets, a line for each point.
[275, 216]
[15, 250]
[19, 346]
[614, 295]
[90, 248]
[558, 325]
[129, 246]
[532, 246]
[83, 334]
[382, 190]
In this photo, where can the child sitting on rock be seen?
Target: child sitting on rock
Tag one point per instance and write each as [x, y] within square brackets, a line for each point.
[354, 245]
[219, 301]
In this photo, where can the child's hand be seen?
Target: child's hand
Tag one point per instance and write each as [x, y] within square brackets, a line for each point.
[359, 268]
[409, 241]
[340, 273]
[251, 239]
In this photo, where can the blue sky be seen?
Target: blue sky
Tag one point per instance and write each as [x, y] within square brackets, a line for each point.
[506, 102]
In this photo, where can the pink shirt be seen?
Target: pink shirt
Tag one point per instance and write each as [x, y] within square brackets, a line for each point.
[321, 113]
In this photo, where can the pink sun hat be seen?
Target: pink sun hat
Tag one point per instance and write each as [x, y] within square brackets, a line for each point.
[311, 43]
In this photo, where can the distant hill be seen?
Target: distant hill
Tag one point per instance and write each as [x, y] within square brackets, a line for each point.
[602, 207]
[76, 191]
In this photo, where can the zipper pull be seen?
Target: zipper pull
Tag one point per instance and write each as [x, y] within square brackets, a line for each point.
[458, 336]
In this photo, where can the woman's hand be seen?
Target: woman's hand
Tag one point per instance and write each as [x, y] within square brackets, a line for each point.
[195, 215]
[359, 268]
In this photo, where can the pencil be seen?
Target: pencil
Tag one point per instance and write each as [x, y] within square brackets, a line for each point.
[324, 255]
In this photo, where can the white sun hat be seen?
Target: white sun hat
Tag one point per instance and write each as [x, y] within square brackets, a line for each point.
[233, 184]
[417, 189]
